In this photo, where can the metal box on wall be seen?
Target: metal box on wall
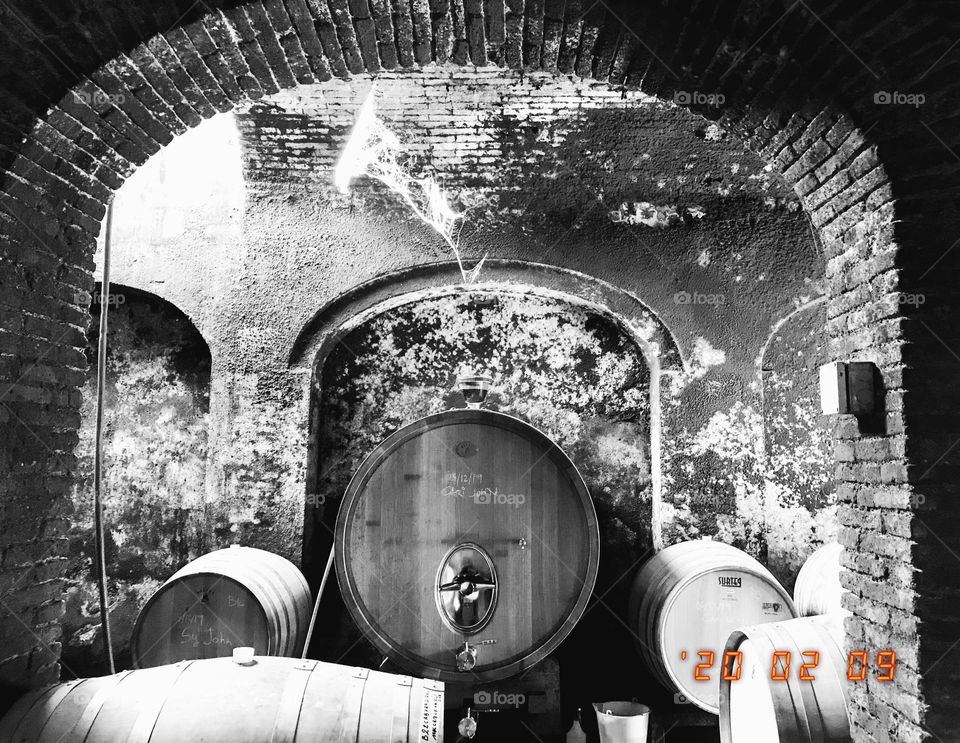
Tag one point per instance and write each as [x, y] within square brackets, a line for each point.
[848, 387]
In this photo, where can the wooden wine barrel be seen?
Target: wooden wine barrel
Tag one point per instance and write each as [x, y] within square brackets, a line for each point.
[818, 590]
[467, 526]
[757, 709]
[219, 701]
[688, 598]
[239, 596]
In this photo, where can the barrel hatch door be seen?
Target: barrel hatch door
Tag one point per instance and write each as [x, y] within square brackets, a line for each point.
[466, 588]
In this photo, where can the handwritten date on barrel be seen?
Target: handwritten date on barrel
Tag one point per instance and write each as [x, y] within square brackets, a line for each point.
[731, 666]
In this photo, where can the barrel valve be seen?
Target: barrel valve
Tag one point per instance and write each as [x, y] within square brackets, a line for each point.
[474, 388]
[467, 655]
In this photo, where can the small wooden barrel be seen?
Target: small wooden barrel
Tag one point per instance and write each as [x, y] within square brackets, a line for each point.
[219, 701]
[685, 603]
[239, 596]
[467, 526]
[757, 709]
[818, 590]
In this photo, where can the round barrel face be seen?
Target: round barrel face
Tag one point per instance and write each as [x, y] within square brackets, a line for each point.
[698, 619]
[753, 716]
[199, 616]
[468, 526]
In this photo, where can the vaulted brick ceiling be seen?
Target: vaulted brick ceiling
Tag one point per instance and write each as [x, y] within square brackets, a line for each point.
[817, 50]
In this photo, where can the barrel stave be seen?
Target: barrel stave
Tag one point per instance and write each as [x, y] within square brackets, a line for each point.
[806, 711]
[217, 701]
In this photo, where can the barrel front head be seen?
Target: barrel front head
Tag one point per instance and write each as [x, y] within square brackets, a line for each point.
[235, 597]
[685, 602]
[467, 546]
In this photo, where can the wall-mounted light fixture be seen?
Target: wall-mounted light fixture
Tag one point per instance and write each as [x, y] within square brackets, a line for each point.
[848, 387]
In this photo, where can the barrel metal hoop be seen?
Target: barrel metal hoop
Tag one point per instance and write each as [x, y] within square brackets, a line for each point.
[287, 721]
[85, 723]
[146, 721]
[402, 690]
[52, 695]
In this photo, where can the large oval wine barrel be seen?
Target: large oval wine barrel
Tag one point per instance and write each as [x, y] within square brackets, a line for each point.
[467, 526]
[239, 596]
[756, 709]
[687, 600]
[219, 701]
[818, 590]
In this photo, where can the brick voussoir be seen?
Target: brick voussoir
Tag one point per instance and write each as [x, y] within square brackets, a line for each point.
[197, 68]
[247, 43]
[266, 37]
[216, 26]
[278, 17]
[139, 116]
[167, 58]
[309, 39]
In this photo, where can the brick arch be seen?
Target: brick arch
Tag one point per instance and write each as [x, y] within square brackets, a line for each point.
[631, 318]
[106, 89]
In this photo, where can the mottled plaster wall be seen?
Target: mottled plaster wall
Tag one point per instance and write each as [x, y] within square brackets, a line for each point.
[798, 458]
[155, 440]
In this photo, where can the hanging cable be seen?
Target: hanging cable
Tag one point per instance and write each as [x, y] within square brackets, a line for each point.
[98, 447]
[316, 604]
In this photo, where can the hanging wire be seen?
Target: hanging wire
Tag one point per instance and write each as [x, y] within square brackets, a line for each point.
[98, 448]
[316, 604]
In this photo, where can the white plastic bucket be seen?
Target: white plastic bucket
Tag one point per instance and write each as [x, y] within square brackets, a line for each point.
[622, 722]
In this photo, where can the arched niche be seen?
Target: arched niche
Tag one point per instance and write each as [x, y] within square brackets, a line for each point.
[155, 444]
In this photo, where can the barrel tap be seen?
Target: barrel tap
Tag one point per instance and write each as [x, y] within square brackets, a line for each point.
[467, 655]
[467, 727]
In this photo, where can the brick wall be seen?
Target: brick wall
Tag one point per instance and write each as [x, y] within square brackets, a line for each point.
[879, 185]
